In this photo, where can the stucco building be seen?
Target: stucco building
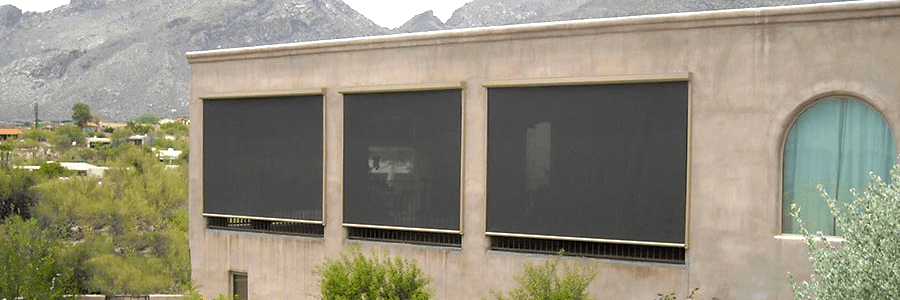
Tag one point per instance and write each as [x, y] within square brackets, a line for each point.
[663, 148]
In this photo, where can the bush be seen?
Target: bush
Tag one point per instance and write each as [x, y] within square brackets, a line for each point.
[355, 276]
[671, 296]
[545, 282]
[867, 264]
[16, 197]
[52, 170]
[33, 262]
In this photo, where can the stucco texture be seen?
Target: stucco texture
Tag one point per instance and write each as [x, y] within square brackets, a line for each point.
[752, 71]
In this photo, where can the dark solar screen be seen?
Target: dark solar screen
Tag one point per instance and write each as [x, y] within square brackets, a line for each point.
[262, 157]
[593, 161]
[401, 159]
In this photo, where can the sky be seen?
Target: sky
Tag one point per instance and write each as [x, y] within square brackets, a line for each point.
[387, 13]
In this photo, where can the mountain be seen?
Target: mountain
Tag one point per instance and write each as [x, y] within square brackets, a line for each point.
[506, 12]
[126, 57]
[425, 21]
[481, 13]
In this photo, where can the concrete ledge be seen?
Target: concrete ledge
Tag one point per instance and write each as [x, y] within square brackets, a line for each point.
[735, 17]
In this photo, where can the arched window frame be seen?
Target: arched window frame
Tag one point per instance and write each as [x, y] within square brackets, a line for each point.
[796, 116]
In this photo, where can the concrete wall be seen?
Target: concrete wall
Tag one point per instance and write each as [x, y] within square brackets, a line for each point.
[752, 72]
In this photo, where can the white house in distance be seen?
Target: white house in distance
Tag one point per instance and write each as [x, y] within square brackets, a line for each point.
[79, 168]
[168, 154]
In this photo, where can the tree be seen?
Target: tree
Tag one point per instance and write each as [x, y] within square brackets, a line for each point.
[146, 119]
[81, 114]
[130, 231]
[16, 197]
[66, 136]
[866, 265]
[138, 128]
[5, 155]
[33, 262]
[51, 170]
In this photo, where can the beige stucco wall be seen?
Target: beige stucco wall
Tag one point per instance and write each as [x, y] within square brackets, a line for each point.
[752, 72]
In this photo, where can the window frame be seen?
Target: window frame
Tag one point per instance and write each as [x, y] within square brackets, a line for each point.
[418, 87]
[270, 94]
[795, 115]
[606, 80]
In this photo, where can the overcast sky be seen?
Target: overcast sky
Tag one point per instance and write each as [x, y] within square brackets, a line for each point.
[387, 13]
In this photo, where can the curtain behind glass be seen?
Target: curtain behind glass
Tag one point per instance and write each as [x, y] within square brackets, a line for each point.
[835, 143]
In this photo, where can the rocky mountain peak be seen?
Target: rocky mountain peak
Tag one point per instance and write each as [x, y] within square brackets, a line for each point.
[425, 21]
[10, 15]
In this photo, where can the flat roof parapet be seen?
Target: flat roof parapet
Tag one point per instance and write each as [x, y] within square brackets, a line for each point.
[718, 18]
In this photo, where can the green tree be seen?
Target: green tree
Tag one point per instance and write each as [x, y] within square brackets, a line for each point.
[866, 265]
[550, 282]
[138, 128]
[67, 135]
[81, 114]
[5, 155]
[33, 262]
[51, 170]
[146, 119]
[175, 128]
[37, 135]
[355, 276]
[16, 197]
[131, 231]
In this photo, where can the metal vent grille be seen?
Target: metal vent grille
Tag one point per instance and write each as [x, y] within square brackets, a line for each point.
[672, 255]
[404, 236]
[280, 227]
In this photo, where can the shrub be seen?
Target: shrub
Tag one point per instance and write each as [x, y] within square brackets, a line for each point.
[32, 262]
[548, 282]
[867, 264]
[16, 196]
[355, 276]
[51, 170]
[671, 296]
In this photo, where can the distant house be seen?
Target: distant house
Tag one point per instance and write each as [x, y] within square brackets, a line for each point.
[93, 142]
[168, 154]
[91, 127]
[79, 168]
[139, 139]
[182, 120]
[9, 133]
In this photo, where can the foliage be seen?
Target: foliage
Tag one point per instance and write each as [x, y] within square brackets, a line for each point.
[130, 231]
[545, 282]
[146, 119]
[5, 155]
[138, 128]
[355, 276]
[81, 114]
[16, 198]
[671, 296]
[120, 136]
[38, 135]
[32, 262]
[175, 128]
[867, 264]
[66, 135]
[52, 170]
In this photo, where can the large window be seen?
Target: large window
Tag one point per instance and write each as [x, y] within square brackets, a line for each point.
[402, 160]
[262, 159]
[599, 162]
[834, 143]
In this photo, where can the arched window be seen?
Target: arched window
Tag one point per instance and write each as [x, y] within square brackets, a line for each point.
[836, 143]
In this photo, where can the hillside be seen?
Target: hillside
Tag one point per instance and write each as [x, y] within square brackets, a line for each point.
[126, 57]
